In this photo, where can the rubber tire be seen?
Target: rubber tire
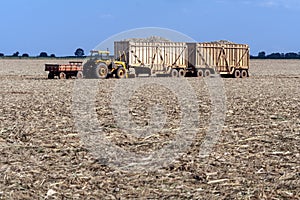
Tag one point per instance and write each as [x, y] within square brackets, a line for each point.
[181, 73]
[174, 73]
[88, 68]
[121, 72]
[244, 74]
[62, 75]
[79, 75]
[50, 75]
[87, 72]
[206, 73]
[200, 73]
[237, 74]
[101, 71]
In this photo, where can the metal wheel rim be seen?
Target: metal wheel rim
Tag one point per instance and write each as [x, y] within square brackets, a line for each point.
[102, 71]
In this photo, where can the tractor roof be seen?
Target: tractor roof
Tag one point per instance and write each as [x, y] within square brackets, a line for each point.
[99, 52]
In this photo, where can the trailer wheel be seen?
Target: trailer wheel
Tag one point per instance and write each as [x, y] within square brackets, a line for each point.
[237, 74]
[174, 73]
[62, 75]
[101, 71]
[244, 74]
[181, 73]
[200, 73]
[121, 72]
[51, 75]
[207, 73]
[79, 75]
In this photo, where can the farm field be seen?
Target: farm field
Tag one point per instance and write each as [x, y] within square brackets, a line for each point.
[257, 155]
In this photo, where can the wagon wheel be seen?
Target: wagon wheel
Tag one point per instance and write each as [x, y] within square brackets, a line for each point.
[181, 73]
[51, 75]
[101, 71]
[206, 73]
[200, 73]
[174, 73]
[121, 72]
[79, 75]
[237, 74]
[244, 74]
[62, 75]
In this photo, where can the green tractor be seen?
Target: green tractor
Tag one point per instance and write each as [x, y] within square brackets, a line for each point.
[101, 66]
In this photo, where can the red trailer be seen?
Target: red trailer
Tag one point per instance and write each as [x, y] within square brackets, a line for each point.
[63, 71]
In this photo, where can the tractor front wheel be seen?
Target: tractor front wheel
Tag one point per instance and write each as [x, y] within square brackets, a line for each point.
[121, 72]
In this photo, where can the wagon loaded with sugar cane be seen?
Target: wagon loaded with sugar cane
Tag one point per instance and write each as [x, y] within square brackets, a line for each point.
[223, 57]
[179, 59]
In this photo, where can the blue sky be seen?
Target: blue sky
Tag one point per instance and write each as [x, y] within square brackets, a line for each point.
[61, 26]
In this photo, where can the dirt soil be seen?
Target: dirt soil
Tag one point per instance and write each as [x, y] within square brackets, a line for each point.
[257, 155]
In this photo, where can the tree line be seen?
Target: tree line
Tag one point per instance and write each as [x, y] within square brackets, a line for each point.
[263, 55]
[79, 52]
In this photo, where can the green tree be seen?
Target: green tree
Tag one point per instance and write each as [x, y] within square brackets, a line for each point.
[43, 54]
[261, 54]
[16, 54]
[79, 52]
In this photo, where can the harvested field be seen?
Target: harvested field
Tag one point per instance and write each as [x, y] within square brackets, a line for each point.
[257, 155]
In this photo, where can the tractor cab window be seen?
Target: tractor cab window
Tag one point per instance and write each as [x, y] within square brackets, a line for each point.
[103, 55]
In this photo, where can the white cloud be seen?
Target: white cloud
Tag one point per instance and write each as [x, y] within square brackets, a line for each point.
[105, 16]
[269, 3]
[287, 4]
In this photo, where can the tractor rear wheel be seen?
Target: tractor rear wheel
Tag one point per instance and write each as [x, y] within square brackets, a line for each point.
[101, 71]
[121, 72]
[89, 69]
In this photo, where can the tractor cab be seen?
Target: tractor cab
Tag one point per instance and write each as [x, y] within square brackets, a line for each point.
[101, 55]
